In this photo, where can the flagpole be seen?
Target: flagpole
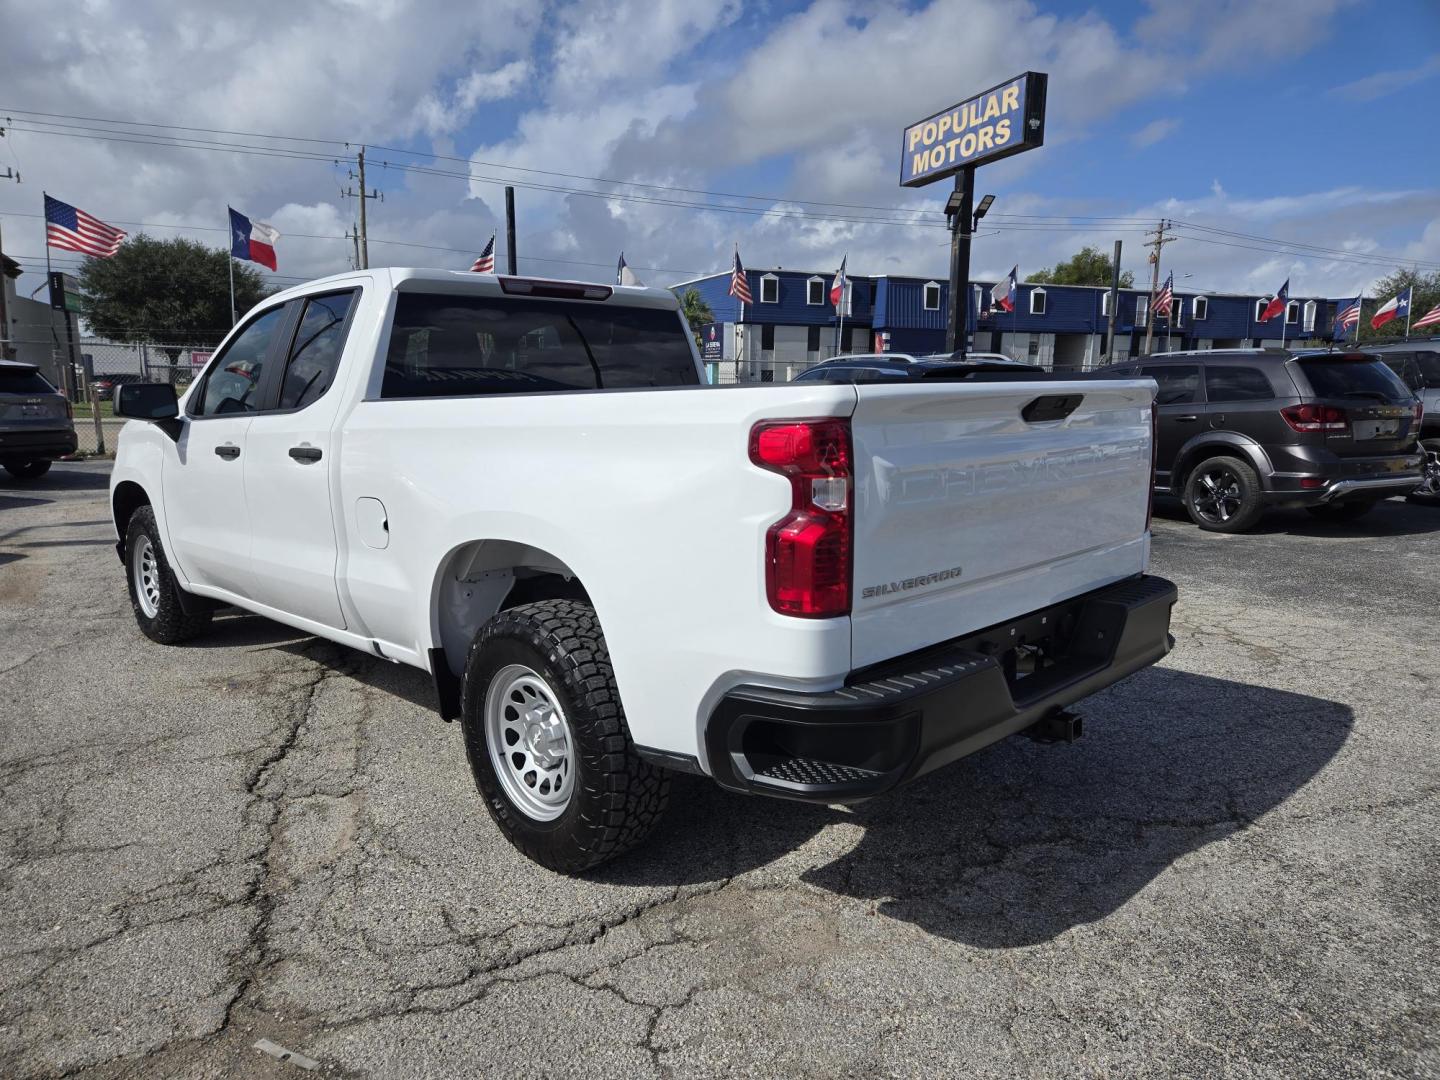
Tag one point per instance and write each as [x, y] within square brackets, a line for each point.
[1359, 311]
[1409, 307]
[230, 262]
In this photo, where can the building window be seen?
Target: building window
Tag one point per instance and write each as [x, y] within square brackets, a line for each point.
[1310, 308]
[812, 338]
[1202, 308]
[1037, 301]
[767, 336]
[815, 291]
[1105, 304]
[981, 306]
[1292, 312]
[1177, 311]
[932, 296]
[1260, 306]
[769, 289]
[1142, 310]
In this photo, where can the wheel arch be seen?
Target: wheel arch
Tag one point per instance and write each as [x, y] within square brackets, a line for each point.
[1219, 444]
[127, 497]
[479, 578]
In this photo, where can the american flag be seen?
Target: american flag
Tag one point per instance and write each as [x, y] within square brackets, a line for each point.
[485, 264]
[1349, 314]
[1161, 304]
[1430, 318]
[739, 286]
[75, 230]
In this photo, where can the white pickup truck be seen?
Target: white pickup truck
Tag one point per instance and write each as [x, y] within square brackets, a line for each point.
[613, 571]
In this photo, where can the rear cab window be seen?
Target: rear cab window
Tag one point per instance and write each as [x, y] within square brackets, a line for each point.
[450, 346]
[23, 380]
[1341, 377]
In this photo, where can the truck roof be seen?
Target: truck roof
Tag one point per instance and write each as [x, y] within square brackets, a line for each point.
[467, 282]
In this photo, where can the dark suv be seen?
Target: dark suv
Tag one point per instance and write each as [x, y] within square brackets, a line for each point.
[1242, 429]
[35, 421]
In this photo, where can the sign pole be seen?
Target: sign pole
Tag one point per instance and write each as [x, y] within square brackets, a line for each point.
[960, 232]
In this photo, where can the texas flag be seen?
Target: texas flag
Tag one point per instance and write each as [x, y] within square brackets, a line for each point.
[253, 240]
[1276, 306]
[1393, 308]
[1006, 292]
[837, 287]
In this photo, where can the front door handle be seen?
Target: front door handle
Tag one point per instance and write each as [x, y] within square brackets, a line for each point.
[229, 451]
[306, 455]
[1185, 419]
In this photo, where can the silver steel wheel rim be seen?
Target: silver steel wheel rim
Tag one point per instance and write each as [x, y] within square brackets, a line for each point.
[145, 568]
[1217, 495]
[530, 744]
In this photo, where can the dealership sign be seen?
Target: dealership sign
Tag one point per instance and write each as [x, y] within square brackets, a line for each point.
[712, 341]
[1004, 120]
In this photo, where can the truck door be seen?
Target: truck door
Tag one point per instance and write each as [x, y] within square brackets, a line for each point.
[203, 477]
[289, 463]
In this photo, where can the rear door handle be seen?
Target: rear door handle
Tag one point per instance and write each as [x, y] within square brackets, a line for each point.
[229, 451]
[1185, 419]
[306, 455]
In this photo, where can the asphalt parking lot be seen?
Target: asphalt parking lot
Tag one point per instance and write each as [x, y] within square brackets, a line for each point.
[265, 836]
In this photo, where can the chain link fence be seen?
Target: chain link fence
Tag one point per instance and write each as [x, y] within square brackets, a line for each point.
[103, 366]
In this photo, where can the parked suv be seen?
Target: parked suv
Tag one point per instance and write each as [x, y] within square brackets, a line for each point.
[35, 422]
[1239, 430]
[1418, 364]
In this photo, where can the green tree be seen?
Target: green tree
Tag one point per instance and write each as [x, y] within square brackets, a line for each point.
[166, 292]
[697, 312]
[1086, 267]
[1425, 296]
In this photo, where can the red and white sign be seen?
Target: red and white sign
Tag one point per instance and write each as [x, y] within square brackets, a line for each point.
[199, 359]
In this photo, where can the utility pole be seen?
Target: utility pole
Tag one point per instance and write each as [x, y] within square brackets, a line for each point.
[7, 350]
[1114, 305]
[1155, 240]
[362, 246]
[510, 230]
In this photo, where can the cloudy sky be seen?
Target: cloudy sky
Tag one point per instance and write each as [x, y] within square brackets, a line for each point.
[673, 129]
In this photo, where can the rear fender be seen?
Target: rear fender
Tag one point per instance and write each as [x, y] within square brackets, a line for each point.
[1213, 443]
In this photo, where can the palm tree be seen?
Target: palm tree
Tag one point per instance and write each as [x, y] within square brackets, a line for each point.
[697, 312]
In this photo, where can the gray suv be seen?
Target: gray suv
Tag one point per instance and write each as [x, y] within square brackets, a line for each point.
[35, 421]
[1239, 430]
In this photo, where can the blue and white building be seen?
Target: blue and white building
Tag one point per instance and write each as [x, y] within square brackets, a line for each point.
[792, 324]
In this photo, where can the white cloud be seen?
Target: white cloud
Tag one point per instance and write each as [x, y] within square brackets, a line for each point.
[437, 118]
[1154, 131]
[1384, 83]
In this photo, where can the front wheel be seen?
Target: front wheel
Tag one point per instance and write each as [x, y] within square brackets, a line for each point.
[547, 739]
[154, 594]
[27, 470]
[1429, 489]
[1223, 494]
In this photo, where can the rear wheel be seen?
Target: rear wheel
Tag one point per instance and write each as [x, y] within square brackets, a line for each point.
[27, 470]
[1429, 489]
[547, 739]
[154, 595]
[1350, 510]
[1222, 494]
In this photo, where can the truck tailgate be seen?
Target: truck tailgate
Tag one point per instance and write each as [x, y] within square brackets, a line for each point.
[967, 514]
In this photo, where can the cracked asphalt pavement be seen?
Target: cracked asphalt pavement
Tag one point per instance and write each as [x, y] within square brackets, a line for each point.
[262, 835]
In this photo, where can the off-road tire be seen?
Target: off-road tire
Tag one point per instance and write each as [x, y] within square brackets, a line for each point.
[170, 625]
[1350, 510]
[1252, 496]
[27, 470]
[617, 798]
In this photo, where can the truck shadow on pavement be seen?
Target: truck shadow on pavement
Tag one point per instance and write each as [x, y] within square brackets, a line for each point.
[1021, 842]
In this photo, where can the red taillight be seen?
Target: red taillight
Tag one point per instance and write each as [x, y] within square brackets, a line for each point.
[1316, 418]
[808, 551]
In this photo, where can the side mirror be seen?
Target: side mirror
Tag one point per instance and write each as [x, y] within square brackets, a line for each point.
[146, 401]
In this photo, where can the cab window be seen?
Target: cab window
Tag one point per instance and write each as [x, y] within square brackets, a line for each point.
[233, 382]
[315, 353]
